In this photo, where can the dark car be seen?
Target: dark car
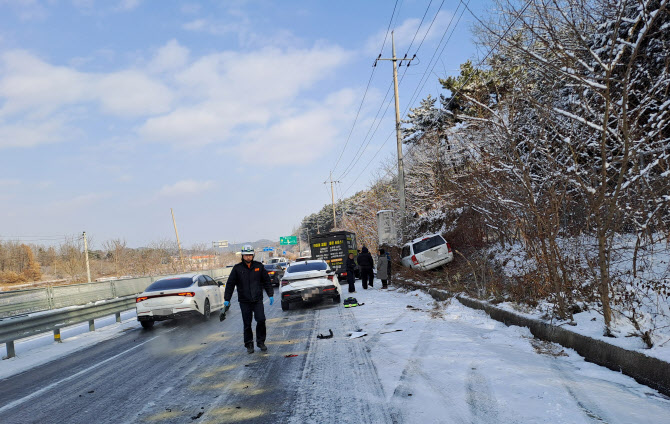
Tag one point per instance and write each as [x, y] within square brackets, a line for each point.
[276, 272]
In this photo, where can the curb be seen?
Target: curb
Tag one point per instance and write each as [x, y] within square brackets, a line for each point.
[646, 370]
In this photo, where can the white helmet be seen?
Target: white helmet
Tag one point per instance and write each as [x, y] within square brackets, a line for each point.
[247, 249]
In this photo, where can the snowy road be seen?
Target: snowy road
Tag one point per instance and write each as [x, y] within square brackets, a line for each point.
[447, 364]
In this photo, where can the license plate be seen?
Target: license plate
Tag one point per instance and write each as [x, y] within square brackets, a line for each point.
[162, 312]
[310, 294]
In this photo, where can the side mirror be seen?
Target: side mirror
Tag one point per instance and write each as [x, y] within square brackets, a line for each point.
[219, 283]
[330, 272]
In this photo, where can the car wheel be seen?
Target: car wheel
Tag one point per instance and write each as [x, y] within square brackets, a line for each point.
[208, 312]
[337, 299]
[147, 324]
[284, 305]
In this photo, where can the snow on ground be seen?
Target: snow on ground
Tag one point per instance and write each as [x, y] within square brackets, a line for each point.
[458, 364]
[443, 362]
[42, 348]
[652, 310]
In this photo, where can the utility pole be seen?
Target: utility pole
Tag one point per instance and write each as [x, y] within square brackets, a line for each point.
[401, 172]
[181, 256]
[88, 268]
[332, 197]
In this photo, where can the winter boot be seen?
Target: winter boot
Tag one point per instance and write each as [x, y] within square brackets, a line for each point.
[262, 347]
[250, 349]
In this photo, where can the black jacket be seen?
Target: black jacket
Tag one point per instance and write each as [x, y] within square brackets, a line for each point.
[250, 282]
[365, 259]
[350, 265]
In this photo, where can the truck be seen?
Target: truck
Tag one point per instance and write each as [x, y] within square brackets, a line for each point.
[334, 247]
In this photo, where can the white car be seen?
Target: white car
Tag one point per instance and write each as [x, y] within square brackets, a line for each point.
[179, 296]
[427, 252]
[308, 280]
[278, 260]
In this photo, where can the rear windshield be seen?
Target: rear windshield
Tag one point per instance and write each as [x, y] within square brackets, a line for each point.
[270, 266]
[171, 283]
[312, 266]
[428, 243]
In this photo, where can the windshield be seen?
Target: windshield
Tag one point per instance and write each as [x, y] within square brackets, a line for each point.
[271, 266]
[171, 283]
[311, 266]
[428, 243]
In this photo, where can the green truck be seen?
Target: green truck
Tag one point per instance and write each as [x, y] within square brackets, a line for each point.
[333, 248]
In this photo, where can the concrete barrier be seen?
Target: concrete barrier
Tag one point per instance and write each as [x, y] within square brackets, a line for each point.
[646, 370]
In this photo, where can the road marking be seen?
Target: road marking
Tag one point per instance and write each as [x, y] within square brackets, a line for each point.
[73, 376]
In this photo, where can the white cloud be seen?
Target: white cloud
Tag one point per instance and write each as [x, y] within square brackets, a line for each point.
[185, 187]
[169, 57]
[31, 133]
[232, 90]
[78, 202]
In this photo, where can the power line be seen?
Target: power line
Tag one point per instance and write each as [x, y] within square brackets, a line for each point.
[366, 89]
[365, 145]
[500, 38]
[402, 78]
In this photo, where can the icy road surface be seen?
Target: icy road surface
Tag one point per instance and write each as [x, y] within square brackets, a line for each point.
[426, 363]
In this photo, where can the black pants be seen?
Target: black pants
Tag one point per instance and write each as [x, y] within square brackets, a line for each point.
[384, 284]
[367, 275]
[256, 310]
[351, 279]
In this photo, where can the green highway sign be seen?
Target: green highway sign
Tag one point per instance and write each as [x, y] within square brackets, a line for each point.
[288, 240]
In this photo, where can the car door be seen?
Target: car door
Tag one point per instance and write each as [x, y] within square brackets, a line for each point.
[217, 296]
[205, 292]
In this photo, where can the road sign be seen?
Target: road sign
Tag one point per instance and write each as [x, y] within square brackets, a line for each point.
[288, 240]
[284, 252]
[268, 249]
[223, 243]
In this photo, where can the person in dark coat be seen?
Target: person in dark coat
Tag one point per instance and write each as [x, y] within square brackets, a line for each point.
[366, 263]
[383, 265]
[250, 278]
[350, 266]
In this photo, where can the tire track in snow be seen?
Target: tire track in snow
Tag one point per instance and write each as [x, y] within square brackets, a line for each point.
[413, 375]
[339, 381]
[481, 400]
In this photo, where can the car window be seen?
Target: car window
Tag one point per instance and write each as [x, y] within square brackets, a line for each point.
[210, 280]
[428, 243]
[405, 251]
[270, 267]
[310, 266]
[171, 283]
[202, 281]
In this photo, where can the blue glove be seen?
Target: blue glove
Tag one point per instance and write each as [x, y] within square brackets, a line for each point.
[272, 300]
[226, 303]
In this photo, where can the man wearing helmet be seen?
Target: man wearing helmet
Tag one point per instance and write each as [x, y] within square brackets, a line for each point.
[250, 278]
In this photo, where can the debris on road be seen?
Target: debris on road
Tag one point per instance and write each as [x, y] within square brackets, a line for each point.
[290, 356]
[357, 334]
[321, 336]
[390, 331]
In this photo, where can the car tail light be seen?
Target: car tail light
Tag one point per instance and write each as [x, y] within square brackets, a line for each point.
[449, 247]
[271, 272]
[141, 299]
[344, 274]
[285, 282]
[330, 277]
[333, 288]
[187, 294]
[414, 260]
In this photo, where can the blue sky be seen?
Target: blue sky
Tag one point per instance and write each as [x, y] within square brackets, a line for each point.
[230, 112]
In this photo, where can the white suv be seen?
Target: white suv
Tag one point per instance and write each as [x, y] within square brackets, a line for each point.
[308, 280]
[427, 252]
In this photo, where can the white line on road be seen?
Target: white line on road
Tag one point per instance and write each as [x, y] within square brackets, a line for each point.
[73, 376]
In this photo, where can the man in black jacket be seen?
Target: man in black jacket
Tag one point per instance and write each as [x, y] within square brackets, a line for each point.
[250, 278]
[366, 263]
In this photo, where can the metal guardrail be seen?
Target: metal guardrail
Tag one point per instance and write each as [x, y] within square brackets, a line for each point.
[27, 301]
[20, 327]
[121, 298]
